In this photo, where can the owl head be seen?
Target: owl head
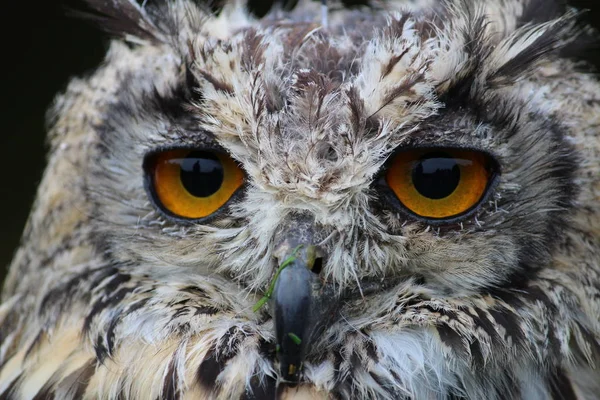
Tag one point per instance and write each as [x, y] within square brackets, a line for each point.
[393, 200]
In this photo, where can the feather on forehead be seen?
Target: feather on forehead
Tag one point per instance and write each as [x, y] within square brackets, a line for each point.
[464, 32]
[381, 72]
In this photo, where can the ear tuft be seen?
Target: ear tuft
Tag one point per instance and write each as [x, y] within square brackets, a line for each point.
[123, 18]
[518, 53]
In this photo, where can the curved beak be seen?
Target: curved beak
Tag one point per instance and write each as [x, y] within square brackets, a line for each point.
[302, 307]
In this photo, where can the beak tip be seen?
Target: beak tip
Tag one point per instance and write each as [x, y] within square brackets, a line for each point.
[290, 373]
[291, 354]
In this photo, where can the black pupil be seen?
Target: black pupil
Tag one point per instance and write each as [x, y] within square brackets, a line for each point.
[436, 175]
[201, 173]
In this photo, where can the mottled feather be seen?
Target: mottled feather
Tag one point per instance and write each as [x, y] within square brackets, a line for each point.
[107, 297]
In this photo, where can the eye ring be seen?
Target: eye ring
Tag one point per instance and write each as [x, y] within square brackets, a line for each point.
[439, 185]
[190, 184]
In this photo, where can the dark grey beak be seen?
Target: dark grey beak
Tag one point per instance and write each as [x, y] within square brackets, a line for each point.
[302, 308]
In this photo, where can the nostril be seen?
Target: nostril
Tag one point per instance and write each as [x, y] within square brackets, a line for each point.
[318, 265]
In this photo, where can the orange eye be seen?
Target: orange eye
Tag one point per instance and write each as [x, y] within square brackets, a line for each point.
[194, 183]
[439, 184]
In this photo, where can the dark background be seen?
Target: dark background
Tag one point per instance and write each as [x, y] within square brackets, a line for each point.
[45, 48]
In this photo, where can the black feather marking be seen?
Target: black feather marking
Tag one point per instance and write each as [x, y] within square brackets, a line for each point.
[172, 105]
[216, 359]
[64, 292]
[452, 339]
[450, 314]
[100, 349]
[102, 275]
[477, 359]
[116, 282]
[392, 63]
[371, 351]
[195, 290]
[68, 243]
[75, 383]
[402, 89]
[33, 346]
[113, 294]
[9, 392]
[192, 86]
[253, 54]
[9, 325]
[216, 83]
[81, 378]
[343, 380]
[261, 7]
[116, 320]
[395, 29]
[46, 392]
[474, 35]
[338, 359]
[511, 388]
[176, 102]
[385, 384]
[560, 386]
[357, 108]
[210, 368]
[205, 310]
[102, 304]
[553, 342]
[120, 18]
[458, 392]
[508, 296]
[590, 339]
[480, 320]
[110, 333]
[510, 322]
[171, 390]
[355, 361]
[261, 389]
[534, 294]
[342, 390]
[459, 93]
[179, 313]
[546, 43]
[266, 349]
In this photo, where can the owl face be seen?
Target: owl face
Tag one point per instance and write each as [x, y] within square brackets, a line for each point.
[382, 203]
[404, 151]
[389, 151]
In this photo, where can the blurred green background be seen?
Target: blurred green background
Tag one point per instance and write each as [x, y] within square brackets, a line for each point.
[42, 49]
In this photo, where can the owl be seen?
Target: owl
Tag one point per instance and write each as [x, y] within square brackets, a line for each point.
[394, 200]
